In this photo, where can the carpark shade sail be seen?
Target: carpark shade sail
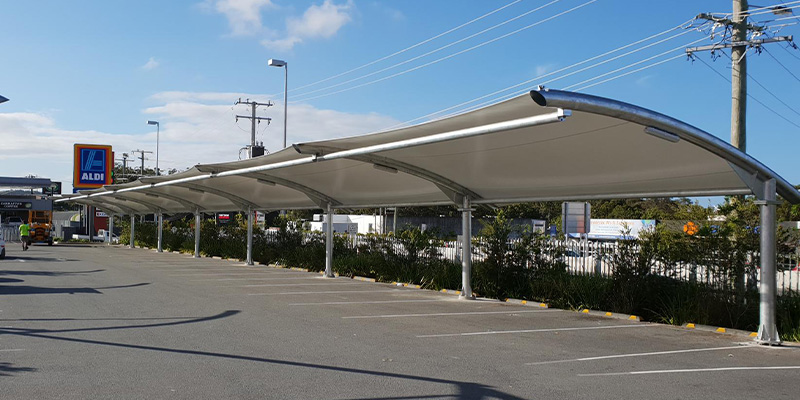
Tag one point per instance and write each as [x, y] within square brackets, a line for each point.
[541, 146]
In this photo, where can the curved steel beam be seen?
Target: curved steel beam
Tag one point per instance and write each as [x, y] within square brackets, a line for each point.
[319, 198]
[453, 190]
[154, 207]
[190, 206]
[104, 205]
[235, 199]
[643, 116]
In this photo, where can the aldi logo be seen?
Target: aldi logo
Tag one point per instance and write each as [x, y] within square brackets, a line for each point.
[93, 165]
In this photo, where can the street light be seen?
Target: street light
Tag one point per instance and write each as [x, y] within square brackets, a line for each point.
[158, 133]
[280, 63]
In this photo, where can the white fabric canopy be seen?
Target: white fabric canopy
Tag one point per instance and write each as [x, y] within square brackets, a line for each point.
[495, 155]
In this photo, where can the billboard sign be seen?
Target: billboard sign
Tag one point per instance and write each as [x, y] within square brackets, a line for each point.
[223, 218]
[617, 229]
[93, 166]
[15, 205]
[53, 189]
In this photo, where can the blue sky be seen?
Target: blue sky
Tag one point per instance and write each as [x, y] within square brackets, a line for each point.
[95, 71]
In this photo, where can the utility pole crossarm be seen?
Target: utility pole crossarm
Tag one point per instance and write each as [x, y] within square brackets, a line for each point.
[729, 22]
[747, 43]
[253, 119]
[257, 118]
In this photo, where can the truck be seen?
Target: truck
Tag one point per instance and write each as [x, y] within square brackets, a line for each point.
[41, 226]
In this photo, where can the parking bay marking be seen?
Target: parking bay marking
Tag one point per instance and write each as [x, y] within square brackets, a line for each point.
[253, 279]
[297, 284]
[447, 314]
[254, 273]
[654, 353]
[326, 292]
[583, 328]
[677, 371]
[367, 302]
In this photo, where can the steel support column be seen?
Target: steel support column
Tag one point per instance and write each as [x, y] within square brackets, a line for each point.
[110, 228]
[466, 250]
[133, 231]
[767, 329]
[249, 236]
[160, 230]
[329, 244]
[197, 218]
[90, 213]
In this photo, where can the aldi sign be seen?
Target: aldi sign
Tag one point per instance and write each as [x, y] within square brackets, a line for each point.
[93, 166]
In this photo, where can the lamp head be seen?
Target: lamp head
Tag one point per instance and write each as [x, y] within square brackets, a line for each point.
[3, 99]
[273, 62]
[152, 122]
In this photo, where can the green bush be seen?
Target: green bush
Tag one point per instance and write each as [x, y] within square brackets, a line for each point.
[648, 280]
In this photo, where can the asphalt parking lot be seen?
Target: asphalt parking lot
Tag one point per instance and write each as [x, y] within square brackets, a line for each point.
[81, 322]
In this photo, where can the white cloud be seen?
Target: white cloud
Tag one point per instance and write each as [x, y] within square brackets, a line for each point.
[196, 127]
[543, 69]
[244, 16]
[318, 22]
[152, 63]
[644, 81]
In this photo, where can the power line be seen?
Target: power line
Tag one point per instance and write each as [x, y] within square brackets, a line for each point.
[783, 4]
[781, 64]
[680, 26]
[794, 46]
[454, 54]
[410, 47]
[633, 64]
[772, 94]
[630, 72]
[749, 95]
[430, 52]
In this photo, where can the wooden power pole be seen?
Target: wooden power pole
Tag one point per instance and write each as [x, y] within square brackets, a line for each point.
[739, 43]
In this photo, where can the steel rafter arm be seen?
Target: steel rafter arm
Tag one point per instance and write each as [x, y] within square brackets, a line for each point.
[453, 190]
[319, 198]
[97, 203]
[190, 206]
[153, 208]
[238, 201]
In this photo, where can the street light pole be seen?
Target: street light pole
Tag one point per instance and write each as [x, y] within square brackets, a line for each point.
[280, 63]
[158, 134]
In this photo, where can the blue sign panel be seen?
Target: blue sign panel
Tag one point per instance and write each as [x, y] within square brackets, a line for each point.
[92, 166]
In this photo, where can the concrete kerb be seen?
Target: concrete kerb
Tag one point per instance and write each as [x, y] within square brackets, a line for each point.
[608, 314]
[718, 329]
[527, 303]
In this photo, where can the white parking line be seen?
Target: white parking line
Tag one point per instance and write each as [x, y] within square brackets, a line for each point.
[296, 284]
[326, 292]
[234, 273]
[447, 314]
[678, 371]
[252, 279]
[170, 269]
[585, 328]
[366, 302]
[653, 353]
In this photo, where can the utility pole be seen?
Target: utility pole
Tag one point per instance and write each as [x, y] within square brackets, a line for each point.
[739, 77]
[143, 152]
[739, 43]
[253, 120]
[124, 165]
